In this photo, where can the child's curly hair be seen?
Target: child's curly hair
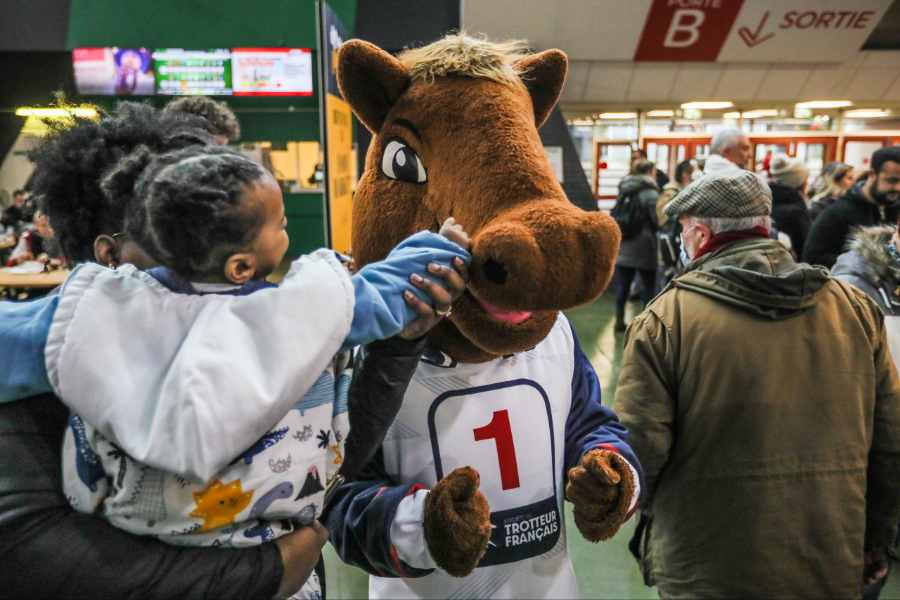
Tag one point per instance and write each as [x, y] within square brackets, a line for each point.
[70, 162]
[220, 118]
[189, 214]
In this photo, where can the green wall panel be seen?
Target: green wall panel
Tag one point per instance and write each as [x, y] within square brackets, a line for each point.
[306, 222]
[198, 23]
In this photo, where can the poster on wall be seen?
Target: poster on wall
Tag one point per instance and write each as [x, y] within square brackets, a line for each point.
[113, 71]
[181, 72]
[338, 134]
[272, 71]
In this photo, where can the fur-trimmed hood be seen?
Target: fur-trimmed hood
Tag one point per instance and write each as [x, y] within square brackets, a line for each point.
[870, 265]
[871, 244]
[870, 247]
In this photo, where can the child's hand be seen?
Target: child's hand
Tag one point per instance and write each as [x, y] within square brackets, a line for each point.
[442, 296]
[454, 232]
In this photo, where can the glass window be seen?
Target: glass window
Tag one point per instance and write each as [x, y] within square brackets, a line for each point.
[613, 166]
[813, 156]
[859, 153]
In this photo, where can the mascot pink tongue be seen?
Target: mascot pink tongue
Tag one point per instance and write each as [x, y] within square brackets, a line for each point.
[513, 317]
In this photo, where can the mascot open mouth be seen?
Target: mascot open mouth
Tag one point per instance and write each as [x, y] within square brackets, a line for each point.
[510, 317]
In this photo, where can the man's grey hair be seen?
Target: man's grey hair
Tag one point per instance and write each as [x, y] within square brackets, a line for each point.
[725, 139]
[718, 225]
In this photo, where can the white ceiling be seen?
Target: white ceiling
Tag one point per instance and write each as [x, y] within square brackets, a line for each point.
[580, 27]
[871, 77]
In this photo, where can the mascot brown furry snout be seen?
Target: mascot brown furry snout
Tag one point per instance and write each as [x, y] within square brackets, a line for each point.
[543, 255]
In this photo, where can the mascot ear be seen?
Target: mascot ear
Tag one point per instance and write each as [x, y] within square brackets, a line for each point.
[544, 74]
[371, 81]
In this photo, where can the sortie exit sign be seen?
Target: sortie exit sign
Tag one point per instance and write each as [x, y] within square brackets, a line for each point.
[757, 30]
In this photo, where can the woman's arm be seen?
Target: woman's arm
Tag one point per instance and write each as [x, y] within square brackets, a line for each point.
[50, 551]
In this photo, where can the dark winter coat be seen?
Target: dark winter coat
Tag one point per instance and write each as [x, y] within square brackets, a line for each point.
[819, 206]
[764, 406]
[639, 252]
[790, 215]
[90, 557]
[830, 233]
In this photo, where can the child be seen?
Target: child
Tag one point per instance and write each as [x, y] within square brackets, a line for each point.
[215, 221]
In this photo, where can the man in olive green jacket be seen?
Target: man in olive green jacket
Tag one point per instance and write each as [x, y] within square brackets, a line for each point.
[764, 406]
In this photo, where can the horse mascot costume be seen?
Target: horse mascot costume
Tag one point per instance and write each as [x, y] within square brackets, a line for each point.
[502, 419]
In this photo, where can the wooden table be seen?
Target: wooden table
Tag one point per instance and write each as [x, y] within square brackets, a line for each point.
[33, 280]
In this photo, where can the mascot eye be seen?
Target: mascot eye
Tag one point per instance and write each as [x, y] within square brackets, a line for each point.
[400, 162]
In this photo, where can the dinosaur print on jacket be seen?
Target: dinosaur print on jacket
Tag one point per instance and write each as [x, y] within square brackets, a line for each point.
[219, 504]
[266, 441]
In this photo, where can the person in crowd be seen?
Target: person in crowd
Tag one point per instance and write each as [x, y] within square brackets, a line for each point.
[684, 174]
[635, 212]
[669, 234]
[18, 213]
[36, 243]
[771, 472]
[222, 122]
[48, 549]
[836, 180]
[820, 183]
[729, 152]
[787, 180]
[639, 154]
[872, 264]
[872, 202]
[766, 164]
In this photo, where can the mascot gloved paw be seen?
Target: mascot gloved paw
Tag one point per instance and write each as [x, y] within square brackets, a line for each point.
[457, 522]
[601, 487]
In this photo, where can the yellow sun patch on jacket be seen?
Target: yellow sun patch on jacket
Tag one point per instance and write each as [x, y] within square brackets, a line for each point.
[220, 503]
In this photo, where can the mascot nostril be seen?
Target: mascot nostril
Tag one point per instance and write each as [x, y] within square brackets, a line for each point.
[495, 272]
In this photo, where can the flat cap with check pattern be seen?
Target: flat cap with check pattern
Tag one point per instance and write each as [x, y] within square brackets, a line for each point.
[732, 196]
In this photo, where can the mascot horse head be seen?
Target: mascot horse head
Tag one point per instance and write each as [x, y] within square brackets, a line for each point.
[455, 133]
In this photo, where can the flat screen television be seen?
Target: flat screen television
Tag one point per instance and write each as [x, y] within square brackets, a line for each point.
[113, 71]
[182, 72]
[272, 71]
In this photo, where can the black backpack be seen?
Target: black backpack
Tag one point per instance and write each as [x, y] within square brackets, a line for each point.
[629, 214]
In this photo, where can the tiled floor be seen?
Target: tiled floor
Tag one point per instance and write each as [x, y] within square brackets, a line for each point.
[604, 570]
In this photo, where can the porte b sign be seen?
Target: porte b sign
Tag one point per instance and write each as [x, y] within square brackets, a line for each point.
[757, 30]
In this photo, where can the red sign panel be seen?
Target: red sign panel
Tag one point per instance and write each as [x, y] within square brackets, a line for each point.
[686, 30]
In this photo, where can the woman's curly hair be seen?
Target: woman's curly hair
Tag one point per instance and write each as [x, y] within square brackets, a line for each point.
[189, 214]
[71, 161]
[220, 119]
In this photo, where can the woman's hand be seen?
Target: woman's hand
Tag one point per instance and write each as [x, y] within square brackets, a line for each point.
[442, 296]
[300, 551]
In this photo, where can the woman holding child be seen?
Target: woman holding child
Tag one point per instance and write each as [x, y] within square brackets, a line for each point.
[49, 549]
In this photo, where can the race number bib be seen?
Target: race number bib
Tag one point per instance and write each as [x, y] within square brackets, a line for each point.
[504, 431]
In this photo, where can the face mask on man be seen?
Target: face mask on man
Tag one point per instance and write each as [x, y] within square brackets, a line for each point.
[685, 259]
